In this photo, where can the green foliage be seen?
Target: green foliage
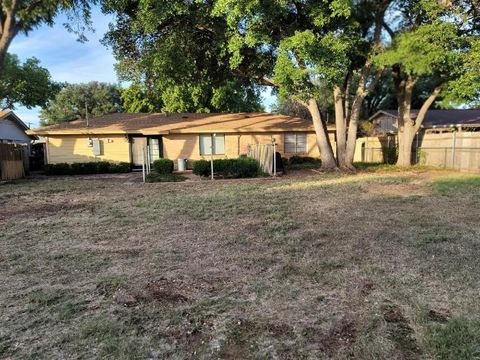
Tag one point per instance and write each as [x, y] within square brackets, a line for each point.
[175, 53]
[243, 167]
[73, 100]
[163, 166]
[431, 48]
[156, 177]
[135, 99]
[302, 162]
[26, 84]
[58, 169]
[100, 167]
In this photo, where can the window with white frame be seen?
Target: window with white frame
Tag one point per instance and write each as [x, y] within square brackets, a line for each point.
[295, 143]
[215, 142]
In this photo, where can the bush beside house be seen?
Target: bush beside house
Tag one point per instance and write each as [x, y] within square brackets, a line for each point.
[228, 168]
[302, 162]
[163, 166]
[100, 167]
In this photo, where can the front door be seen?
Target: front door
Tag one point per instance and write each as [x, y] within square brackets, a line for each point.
[139, 144]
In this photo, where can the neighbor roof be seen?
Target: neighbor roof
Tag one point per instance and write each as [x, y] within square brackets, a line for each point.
[10, 115]
[159, 123]
[441, 118]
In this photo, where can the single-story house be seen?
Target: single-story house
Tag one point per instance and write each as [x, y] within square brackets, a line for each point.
[13, 130]
[435, 120]
[122, 137]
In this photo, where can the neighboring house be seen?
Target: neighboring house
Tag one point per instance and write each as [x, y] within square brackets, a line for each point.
[121, 137]
[13, 130]
[435, 120]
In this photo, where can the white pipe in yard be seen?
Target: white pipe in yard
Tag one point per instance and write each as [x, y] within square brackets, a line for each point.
[211, 154]
[274, 158]
[143, 164]
[149, 162]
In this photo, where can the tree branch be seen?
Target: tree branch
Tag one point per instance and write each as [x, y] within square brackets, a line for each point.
[426, 105]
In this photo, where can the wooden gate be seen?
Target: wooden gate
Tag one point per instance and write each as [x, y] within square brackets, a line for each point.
[12, 159]
[264, 154]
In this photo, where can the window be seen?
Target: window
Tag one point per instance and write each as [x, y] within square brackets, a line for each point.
[218, 141]
[295, 143]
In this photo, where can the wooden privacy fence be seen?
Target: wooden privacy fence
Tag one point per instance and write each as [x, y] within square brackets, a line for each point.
[264, 154]
[451, 150]
[12, 160]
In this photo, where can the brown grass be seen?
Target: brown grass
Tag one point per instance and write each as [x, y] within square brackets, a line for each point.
[372, 265]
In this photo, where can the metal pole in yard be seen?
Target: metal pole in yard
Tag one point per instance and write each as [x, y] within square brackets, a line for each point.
[148, 160]
[274, 157]
[453, 148]
[211, 154]
[143, 164]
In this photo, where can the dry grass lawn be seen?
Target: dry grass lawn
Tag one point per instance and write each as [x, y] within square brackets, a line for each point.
[378, 265]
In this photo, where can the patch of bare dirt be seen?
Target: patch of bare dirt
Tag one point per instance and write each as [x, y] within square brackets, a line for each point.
[39, 210]
[400, 332]
[171, 291]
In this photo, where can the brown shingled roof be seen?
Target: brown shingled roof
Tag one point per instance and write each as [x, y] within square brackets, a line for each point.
[442, 118]
[158, 123]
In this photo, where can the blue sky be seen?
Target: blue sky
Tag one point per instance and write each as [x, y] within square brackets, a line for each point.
[69, 60]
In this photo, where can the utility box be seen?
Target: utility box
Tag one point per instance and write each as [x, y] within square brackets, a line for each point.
[182, 164]
[97, 147]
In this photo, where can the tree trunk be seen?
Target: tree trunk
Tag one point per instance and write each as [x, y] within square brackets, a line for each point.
[323, 141]
[407, 128]
[405, 143]
[352, 132]
[8, 29]
[340, 126]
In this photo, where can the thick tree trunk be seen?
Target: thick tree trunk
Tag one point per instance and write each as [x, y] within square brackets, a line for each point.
[405, 143]
[407, 128]
[352, 132]
[340, 126]
[323, 141]
[8, 28]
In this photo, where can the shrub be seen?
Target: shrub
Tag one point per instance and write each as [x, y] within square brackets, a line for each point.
[100, 167]
[103, 167]
[303, 162]
[228, 168]
[156, 177]
[201, 168]
[163, 166]
[123, 167]
[57, 169]
[84, 168]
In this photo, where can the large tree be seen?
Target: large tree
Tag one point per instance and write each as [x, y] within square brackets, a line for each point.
[435, 46]
[22, 16]
[77, 100]
[176, 54]
[312, 46]
[26, 84]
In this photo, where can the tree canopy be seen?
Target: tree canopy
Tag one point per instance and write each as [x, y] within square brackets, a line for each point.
[214, 55]
[26, 84]
[22, 16]
[74, 100]
[433, 52]
[176, 54]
